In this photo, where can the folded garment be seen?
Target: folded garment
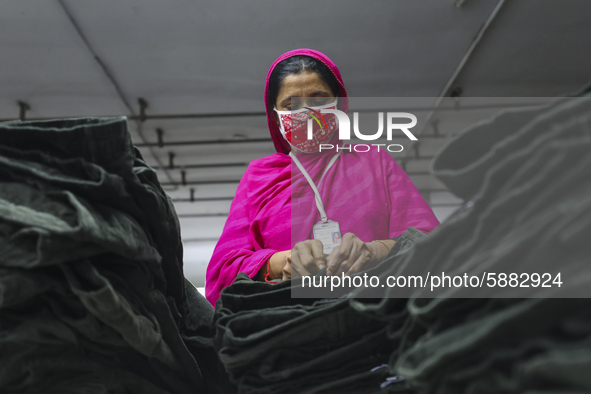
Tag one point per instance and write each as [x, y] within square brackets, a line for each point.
[92, 293]
[269, 342]
[94, 158]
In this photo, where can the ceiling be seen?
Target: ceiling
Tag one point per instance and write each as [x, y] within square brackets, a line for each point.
[199, 64]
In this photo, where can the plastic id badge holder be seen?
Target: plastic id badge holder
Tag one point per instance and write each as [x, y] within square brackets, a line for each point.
[329, 233]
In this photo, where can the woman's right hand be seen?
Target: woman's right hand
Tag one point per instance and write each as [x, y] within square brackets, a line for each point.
[307, 258]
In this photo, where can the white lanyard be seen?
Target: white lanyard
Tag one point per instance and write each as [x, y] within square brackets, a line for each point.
[319, 203]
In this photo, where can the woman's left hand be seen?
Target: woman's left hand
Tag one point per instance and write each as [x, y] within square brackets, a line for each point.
[353, 256]
[287, 268]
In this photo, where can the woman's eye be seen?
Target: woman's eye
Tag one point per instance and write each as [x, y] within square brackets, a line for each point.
[321, 101]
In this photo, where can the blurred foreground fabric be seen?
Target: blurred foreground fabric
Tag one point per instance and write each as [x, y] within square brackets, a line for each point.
[92, 293]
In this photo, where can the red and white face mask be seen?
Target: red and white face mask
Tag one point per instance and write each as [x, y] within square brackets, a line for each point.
[294, 127]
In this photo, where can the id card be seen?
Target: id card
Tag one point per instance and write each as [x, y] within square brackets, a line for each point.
[329, 234]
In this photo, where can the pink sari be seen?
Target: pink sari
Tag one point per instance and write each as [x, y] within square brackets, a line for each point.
[368, 194]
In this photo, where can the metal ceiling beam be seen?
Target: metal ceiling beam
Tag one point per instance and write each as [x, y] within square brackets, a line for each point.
[201, 215]
[196, 240]
[225, 214]
[212, 165]
[373, 110]
[236, 181]
[217, 182]
[161, 144]
[230, 198]
[182, 168]
[201, 116]
[204, 199]
[202, 142]
[222, 115]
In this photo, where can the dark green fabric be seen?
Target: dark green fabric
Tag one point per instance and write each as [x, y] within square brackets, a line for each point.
[532, 210]
[92, 293]
[526, 174]
[93, 158]
[272, 343]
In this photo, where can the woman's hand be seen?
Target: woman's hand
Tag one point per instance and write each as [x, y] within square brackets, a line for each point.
[353, 255]
[275, 266]
[350, 257]
[287, 268]
[307, 258]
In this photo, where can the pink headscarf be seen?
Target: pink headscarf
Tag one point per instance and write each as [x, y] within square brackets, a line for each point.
[280, 144]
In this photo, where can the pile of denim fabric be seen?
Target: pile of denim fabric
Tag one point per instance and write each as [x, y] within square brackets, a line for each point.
[526, 178]
[92, 293]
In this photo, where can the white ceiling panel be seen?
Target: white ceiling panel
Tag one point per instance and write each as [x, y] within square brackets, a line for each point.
[44, 63]
[188, 56]
[533, 48]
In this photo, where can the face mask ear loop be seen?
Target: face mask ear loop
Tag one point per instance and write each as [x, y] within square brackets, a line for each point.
[281, 128]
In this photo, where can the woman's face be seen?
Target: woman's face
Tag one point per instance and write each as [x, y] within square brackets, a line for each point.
[307, 89]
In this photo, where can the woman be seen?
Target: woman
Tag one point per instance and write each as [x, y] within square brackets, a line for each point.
[368, 195]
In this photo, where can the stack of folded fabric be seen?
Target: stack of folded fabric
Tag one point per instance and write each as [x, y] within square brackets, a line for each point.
[526, 177]
[92, 293]
[272, 343]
